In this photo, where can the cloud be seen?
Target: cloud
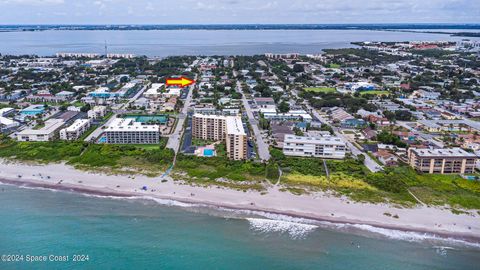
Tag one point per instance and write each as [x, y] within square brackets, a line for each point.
[33, 2]
[238, 11]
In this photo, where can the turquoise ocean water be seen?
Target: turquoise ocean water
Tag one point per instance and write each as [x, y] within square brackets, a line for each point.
[148, 234]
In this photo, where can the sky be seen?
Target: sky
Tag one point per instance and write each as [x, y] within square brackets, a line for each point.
[237, 11]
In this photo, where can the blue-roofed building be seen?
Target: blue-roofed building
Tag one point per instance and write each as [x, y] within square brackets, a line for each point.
[103, 92]
[301, 126]
[353, 123]
[33, 110]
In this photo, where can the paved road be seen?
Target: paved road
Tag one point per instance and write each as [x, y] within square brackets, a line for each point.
[263, 151]
[95, 134]
[425, 136]
[175, 137]
[371, 164]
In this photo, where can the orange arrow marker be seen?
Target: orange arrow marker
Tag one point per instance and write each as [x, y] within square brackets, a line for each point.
[182, 81]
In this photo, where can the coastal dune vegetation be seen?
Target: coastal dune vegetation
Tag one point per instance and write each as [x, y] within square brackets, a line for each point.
[399, 185]
[134, 159]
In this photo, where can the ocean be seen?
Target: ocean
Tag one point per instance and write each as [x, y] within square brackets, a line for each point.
[197, 42]
[147, 234]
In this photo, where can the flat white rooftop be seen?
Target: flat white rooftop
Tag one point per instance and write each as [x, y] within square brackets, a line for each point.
[78, 124]
[235, 125]
[444, 152]
[129, 124]
[330, 140]
[50, 126]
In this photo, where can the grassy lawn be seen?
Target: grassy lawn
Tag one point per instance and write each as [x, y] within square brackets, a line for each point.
[334, 66]
[321, 89]
[379, 92]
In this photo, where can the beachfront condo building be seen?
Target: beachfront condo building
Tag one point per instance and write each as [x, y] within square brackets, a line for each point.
[43, 134]
[75, 130]
[236, 138]
[222, 128]
[326, 146]
[128, 131]
[442, 161]
[209, 127]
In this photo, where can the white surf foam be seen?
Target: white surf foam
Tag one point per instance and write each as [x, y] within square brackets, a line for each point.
[296, 227]
[293, 229]
[410, 236]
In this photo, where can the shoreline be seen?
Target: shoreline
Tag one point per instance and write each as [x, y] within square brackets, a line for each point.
[329, 209]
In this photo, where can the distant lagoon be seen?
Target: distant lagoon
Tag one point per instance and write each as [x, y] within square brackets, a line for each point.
[197, 42]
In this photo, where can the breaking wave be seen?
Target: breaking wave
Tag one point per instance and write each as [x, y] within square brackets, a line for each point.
[296, 227]
[293, 229]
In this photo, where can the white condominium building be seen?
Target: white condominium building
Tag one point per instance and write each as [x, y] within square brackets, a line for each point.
[320, 146]
[97, 112]
[43, 134]
[222, 128]
[127, 131]
[75, 130]
[236, 138]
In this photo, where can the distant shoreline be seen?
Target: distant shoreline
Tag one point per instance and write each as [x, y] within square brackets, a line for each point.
[148, 27]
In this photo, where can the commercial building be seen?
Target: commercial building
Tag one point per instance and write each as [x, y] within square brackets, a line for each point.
[453, 160]
[33, 110]
[75, 130]
[320, 146]
[293, 115]
[128, 131]
[97, 112]
[222, 128]
[43, 134]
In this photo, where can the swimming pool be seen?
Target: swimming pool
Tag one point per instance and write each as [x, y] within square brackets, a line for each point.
[208, 152]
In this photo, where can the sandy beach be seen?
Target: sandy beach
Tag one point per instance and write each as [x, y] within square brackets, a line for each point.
[319, 206]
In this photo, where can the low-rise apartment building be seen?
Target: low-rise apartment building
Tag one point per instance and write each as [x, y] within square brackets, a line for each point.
[75, 130]
[97, 112]
[128, 131]
[222, 128]
[320, 146]
[442, 161]
[46, 133]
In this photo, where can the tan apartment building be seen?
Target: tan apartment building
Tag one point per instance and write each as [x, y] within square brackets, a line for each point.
[222, 128]
[208, 127]
[442, 161]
